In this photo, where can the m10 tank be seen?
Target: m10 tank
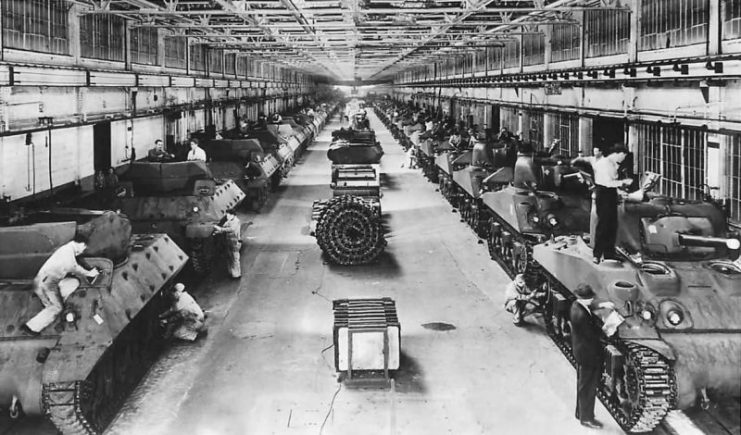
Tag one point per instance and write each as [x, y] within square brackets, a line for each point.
[79, 370]
[278, 148]
[246, 163]
[680, 295]
[544, 199]
[355, 157]
[181, 199]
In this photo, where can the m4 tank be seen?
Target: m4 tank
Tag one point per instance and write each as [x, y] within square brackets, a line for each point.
[679, 293]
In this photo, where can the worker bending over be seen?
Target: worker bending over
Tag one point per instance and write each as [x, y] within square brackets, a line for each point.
[520, 300]
[184, 319]
[46, 283]
[231, 229]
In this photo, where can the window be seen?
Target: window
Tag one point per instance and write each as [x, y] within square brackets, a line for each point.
[144, 45]
[511, 53]
[673, 23]
[533, 49]
[733, 169]
[678, 154]
[37, 25]
[102, 37]
[509, 119]
[242, 64]
[535, 129]
[565, 42]
[175, 52]
[230, 62]
[566, 128]
[732, 24]
[198, 57]
[606, 32]
[216, 60]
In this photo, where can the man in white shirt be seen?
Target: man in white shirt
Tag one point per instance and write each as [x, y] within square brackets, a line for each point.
[184, 319]
[196, 152]
[592, 161]
[46, 284]
[606, 200]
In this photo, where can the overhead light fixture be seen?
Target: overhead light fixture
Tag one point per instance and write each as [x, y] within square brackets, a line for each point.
[609, 73]
[630, 72]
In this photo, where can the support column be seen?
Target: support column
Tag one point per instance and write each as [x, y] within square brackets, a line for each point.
[586, 135]
[635, 25]
[715, 20]
[524, 125]
[549, 121]
[633, 146]
[548, 30]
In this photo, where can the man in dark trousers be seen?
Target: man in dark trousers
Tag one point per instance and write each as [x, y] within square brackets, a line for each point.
[606, 201]
[587, 348]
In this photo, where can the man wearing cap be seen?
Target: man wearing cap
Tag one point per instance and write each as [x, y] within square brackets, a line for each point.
[588, 353]
[520, 300]
[184, 319]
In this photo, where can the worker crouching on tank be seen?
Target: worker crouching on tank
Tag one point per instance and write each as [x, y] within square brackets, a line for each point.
[231, 229]
[62, 263]
[184, 319]
[521, 301]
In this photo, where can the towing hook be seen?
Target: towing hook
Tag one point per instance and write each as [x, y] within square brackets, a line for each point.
[15, 408]
[705, 401]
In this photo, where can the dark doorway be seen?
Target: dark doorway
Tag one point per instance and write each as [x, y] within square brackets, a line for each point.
[494, 119]
[102, 146]
[608, 132]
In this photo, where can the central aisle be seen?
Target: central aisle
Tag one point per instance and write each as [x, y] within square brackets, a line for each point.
[261, 369]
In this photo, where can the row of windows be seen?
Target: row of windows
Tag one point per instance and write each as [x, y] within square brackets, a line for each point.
[664, 24]
[42, 26]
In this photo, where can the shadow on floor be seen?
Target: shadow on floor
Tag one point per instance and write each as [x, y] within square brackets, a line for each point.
[385, 266]
[409, 378]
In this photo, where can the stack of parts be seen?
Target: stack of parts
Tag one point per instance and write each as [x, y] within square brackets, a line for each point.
[349, 230]
[367, 335]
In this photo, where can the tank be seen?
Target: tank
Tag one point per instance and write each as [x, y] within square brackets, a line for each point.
[680, 296]
[485, 168]
[79, 370]
[180, 199]
[547, 197]
[355, 157]
[277, 148]
[246, 163]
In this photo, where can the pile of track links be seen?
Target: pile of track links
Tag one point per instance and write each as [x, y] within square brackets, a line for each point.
[349, 230]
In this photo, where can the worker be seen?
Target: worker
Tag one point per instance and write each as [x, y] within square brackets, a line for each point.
[196, 152]
[231, 228]
[504, 134]
[46, 283]
[592, 161]
[455, 139]
[185, 318]
[158, 153]
[587, 349]
[111, 179]
[521, 300]
[606, 202]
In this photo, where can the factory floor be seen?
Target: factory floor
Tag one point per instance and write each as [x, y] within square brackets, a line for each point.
[266, 366]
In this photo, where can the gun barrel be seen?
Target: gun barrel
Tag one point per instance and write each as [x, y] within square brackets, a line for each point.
[709, 241]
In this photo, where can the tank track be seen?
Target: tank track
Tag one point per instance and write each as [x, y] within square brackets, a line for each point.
[86, 407]
[349, 230]
[651, 375]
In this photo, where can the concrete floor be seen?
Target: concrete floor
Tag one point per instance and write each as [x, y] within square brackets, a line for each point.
[261, 369]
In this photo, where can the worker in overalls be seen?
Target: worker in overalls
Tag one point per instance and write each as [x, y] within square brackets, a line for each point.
[231, 229]
[184, 319]
[62, 262]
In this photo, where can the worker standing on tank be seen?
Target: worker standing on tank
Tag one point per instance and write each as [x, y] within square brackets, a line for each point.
[592, 161]
[46, 283]
[587, 349]
[184, 319]
[231, 228]
[606, 201]
[521, 300]
[196, 153]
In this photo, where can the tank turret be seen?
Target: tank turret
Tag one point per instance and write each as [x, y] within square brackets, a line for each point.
[676, 291]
